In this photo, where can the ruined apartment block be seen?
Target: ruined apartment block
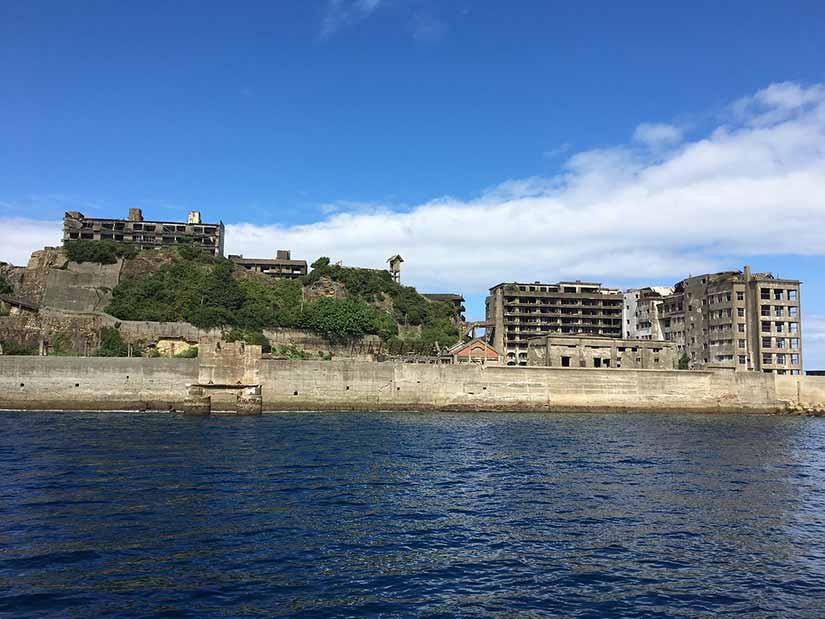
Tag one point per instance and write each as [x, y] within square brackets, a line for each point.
[282, 266]
[642, 313]
[517, 312]
[736, 320]
[146, 234]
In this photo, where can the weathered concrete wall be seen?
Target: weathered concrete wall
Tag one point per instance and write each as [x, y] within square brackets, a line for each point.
[72, 383]
[356, 385]
[82, 287]
[805, 390]
[113, 384]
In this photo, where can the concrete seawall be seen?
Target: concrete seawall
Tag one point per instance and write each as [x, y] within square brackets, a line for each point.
[36, 383]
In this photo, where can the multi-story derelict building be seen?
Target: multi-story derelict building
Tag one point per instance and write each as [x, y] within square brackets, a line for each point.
[145, 234]
[642, 307]
[736, 319]
[517, 312]
[282, 266]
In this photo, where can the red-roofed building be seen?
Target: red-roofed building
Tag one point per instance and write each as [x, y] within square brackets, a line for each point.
[474, 351]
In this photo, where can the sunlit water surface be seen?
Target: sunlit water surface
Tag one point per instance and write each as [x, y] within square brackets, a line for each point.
[411, 515]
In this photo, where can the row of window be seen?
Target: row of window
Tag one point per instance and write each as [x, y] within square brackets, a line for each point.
[779, 310]
[780, 358]
[779, 294]
[780, 342]
[780, 327]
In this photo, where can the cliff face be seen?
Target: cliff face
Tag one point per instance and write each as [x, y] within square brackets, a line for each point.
[32, 281]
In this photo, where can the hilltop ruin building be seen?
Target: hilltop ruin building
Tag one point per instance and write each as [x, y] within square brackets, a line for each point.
[517, 312]
[737, 320]
[456, 300]
[282, 266]
[146, 234]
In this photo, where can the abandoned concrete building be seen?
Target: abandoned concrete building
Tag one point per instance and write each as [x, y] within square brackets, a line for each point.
[642, 307]
[600, 352]
[517, 312]
[737, 320]
[146, 234]
[456, 300]
[282, 266]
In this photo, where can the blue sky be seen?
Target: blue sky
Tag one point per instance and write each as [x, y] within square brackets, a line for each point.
[484, 141]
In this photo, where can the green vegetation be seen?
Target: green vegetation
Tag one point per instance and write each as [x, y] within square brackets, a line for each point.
[102, 252]
[187, 353]
[61, 345]
[5, 286]
[247, 336]
[207, 292]
[10, 347]
[291, 351]
[409, 307]
[684, 361]
[112, 344]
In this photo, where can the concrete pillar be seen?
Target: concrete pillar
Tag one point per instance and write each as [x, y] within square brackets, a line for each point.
[197, 402]
[250, 401]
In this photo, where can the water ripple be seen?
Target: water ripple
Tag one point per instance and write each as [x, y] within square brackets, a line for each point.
[411, 515]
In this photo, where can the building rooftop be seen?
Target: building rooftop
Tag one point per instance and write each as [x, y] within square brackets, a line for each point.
[443, 296]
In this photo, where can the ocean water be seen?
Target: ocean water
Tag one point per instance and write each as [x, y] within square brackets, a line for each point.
[411, 515]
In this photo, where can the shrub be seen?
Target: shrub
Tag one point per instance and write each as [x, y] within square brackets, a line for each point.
[112, 344]
[684, 362]
[5, 286]
[291, 351]
[187, 353]
[247, 337]
[10, 347]
[341, 319]
[102, 252]
[61, 345]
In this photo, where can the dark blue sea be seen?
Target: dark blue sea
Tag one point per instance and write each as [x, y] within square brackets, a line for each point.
[411, 515]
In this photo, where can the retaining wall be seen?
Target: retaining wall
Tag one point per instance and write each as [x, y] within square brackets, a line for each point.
[94, 383]
[73, 383]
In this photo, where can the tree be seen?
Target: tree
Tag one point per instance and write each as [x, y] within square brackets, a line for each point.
[5, 287]
[112, 344]
[102, 252]
[684, 361]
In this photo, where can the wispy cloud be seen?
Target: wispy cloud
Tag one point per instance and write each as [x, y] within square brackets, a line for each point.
[339, 14]
[428, 28]
[813, 352]
[558, 151]
[19, 237]
[608, 213]
[752, 186]
[657, 134]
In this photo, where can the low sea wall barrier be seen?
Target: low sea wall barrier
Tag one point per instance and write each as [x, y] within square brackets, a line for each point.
[75, 383]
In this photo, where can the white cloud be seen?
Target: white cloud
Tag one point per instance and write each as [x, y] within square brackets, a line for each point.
[755, 186]
[19, 237]
[742, 190]
[342, 13]
[657, 134]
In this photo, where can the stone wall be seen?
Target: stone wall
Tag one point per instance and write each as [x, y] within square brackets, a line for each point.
[356, 385]
[81, 287]
[804, 390]
[111, 384]
[76, 383]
